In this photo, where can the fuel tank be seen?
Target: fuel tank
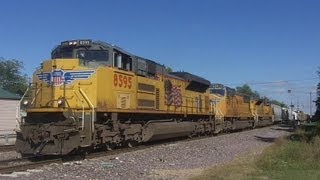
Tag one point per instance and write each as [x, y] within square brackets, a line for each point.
[165, 130]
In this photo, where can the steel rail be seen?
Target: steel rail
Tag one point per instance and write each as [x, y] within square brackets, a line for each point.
[6, 148]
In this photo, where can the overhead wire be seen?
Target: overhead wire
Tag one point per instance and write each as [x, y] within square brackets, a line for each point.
[272, 82]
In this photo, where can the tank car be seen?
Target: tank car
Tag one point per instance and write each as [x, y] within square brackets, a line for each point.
[303, 117]
[277, 113]
[91, 94]
[300, 117]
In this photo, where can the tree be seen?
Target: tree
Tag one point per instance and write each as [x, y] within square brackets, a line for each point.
[11, 77]
[317, 113]
[169, 69]
[276, 102]
[247, 91]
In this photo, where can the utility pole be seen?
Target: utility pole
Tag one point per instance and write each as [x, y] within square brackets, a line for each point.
[291, 106]
[310, 104]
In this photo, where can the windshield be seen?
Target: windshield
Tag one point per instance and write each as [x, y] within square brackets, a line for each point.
[220, 92]
[62, 53]
[93, 55]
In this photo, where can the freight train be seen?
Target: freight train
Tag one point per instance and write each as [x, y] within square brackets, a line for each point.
[92, 94]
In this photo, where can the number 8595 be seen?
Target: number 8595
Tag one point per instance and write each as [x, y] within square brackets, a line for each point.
[124, 81]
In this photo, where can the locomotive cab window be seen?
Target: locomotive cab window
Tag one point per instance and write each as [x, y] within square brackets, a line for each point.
[93, 55]
[62, 53]
[220, 92]
[122, 61]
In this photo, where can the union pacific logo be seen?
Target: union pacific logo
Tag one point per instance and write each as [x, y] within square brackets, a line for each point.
[59, 77]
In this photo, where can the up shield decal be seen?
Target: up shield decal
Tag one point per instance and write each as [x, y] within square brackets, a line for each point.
[59, 77]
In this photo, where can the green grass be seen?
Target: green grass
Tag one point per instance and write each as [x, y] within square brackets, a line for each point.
[290, 160]
[297, 157]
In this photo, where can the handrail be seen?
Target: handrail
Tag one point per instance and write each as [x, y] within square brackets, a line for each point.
[92, 107]
[18, 109]
[254, 113]
[256, 116]
[217, 110]
[82, 121]
[34, 98]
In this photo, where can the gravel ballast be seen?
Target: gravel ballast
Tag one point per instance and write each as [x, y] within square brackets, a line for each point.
[176, 160]
[9, 155]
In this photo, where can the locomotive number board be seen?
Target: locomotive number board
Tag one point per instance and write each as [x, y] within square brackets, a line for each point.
[122, 81]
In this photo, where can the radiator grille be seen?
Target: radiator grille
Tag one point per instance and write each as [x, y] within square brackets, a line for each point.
[146, 87]
[157, 98]
[146, 103]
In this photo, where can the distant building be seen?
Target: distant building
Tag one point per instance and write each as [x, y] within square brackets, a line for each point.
[8, 106]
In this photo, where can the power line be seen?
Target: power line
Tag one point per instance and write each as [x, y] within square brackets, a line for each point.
[272, 82]
[286, 92]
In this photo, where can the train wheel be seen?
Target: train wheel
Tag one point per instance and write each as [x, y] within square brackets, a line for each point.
[83, 152]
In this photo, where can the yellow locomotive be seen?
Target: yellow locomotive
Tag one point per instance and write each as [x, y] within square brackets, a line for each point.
[91, 94]
[264, 112]
[235, 111]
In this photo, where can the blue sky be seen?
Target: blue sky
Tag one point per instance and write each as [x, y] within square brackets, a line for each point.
[230, 41]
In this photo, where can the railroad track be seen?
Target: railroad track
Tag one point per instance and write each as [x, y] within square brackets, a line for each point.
[6, 148]
[23, 164]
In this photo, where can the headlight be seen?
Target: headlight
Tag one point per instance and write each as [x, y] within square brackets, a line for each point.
[60, 101]
[72, 43]
[25, 102]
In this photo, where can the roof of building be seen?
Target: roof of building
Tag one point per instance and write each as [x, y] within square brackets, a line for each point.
[8, 95]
